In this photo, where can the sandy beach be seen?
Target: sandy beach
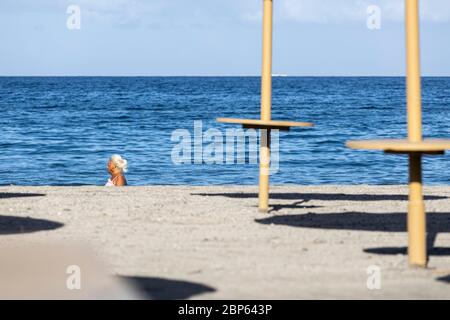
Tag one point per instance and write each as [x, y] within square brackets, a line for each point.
[212, 243]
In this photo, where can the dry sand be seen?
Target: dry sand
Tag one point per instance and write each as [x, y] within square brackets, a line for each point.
[211, 243]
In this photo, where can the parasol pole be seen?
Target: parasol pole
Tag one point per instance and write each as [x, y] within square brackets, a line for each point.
[417, 250]
[266, 106]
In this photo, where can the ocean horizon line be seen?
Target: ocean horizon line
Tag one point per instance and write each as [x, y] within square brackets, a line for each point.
[216, 76]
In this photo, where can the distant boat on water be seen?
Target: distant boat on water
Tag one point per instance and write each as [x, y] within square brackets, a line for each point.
[279, 75]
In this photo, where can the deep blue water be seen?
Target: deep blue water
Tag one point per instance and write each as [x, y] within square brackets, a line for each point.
[61, 131]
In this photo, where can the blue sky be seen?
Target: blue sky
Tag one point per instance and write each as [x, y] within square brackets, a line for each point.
[215, 37]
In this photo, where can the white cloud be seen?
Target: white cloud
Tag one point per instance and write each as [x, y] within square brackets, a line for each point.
[252, 16]
[199, 11]
[120, 12]
[322, 11]
[436, 10]
[106, 7]
[334, 11]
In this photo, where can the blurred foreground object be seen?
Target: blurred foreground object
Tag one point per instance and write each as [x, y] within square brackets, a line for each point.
[48, 271]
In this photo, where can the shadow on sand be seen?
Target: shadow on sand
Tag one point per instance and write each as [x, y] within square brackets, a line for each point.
[8, 195]
[17, 225]
[432, 251]
[165, 289]
[381, 222]
[445, 279]
[319, 196]
[295, 205]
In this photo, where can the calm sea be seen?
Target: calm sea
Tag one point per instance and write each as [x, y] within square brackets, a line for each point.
[61, 131]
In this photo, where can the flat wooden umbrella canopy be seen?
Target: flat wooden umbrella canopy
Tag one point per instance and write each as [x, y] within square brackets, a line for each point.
[431, 146]
[265, 124]
[415, 146]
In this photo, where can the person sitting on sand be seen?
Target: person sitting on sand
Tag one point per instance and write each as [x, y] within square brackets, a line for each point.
[117, 166]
